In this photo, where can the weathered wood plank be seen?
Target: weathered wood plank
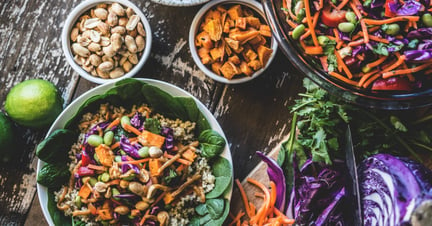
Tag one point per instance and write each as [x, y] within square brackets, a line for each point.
[30, 48]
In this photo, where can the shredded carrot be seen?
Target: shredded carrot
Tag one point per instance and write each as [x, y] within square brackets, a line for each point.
[342, 4]
[237, 217]
[378, 39]
[309, 22]
[405, 71]
[344, 66]
[366, 76]
[131, 129]
[244, 197]
[370, 80]
[96, 167]
[115, 145]
[356, 42]
[114, 123]
[342, 78]
[377, 62]
[391, 20]
[362, 21]
[313, 50]
[291, 23]
[398, 62]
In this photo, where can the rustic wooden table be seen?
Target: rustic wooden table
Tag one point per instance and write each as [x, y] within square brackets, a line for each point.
[254, 115]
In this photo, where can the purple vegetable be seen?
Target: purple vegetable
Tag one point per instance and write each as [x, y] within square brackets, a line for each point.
[168, 133]
[418, 55]
[408, 8]
[138, 121]
[276, 175]
[130, 149]
[126, 196]
[389, 189]
[377, 3]
[127, 167]
[421, 33]
[426, 44]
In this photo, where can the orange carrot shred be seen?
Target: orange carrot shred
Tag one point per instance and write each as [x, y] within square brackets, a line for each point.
[244, 197]
[309, 22]
[344, 66]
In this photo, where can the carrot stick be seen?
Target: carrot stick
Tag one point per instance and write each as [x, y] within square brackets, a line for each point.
[342, 78]
[131, 129]
[244, 197]
[405, 71]
[356, 42]
[308, 31]
[366, 76]
[309, 22]
[372, 79]
[264, 208]
[391, 20]
[114, 123]
[313, 50]
[398, 62]
[362, 22]
[115, 145]
[96, 167]
[377, 62]
[342, 4]
[344, 67]
[291, 23]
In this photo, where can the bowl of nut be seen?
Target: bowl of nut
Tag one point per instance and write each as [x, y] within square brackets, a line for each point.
[230, 40]
[106, 40]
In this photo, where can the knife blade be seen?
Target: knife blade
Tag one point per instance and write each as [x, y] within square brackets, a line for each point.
[353, 185]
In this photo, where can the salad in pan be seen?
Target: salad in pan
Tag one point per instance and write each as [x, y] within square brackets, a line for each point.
[369, 44]
[150, 163]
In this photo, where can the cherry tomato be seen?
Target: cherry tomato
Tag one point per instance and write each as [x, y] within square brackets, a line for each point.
[85, 159]
[332, 17]
[85, 171]
[394, 83]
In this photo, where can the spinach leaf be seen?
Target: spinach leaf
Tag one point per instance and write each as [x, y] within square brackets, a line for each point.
[57, 216]
[201, 209]
[53, 176]
[222, 183]
[211, 143]
[54, 149]
[215, 208]
[221, 167]
[220, 220]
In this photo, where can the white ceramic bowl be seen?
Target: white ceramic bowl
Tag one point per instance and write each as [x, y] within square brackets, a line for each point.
[73, 108]
[70, 23]
[257, 8]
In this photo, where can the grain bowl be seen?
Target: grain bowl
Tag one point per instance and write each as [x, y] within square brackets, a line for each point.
[230, 41]
[106, 41]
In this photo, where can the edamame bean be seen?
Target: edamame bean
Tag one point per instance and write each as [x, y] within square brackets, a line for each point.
[351, 17]
[117, 158]
[298, 31]
[105, 177]
[427, 19]
[323, 40]
[78, 201]
[144, 152]
[92, 181]
[96, 158]
[108, 137]
[95, 140]
[125, 120]
[115, 192]
[392, 29]
[346, 27]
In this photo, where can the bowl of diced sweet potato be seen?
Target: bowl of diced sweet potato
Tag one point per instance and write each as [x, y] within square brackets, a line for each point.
[230, 40]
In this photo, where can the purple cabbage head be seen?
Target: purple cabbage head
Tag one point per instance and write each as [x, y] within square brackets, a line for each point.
[389, 188]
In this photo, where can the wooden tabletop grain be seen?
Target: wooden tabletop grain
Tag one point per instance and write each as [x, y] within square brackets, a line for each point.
[253, 115]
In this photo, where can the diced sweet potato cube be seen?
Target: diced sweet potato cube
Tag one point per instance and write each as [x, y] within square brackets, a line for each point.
[152, 139]
[85, 191]
[264, 54]
[221, 9]
[154, 166]
[227, 49]
[244, 36]
[256, 40]
[247, 12]
[217, 53]
[216, 67]
[239, 50]
[105, 155]
[213, 15]
[253, 22]
[234, 44]
[214, 29]
[245, 69]
[241, 23]
[204, 54]
[250, 55]
[203, 39]
[235, 12]
[264, 30]
[235, 59]
[228, 70]
[255, 64]
[226, 27]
